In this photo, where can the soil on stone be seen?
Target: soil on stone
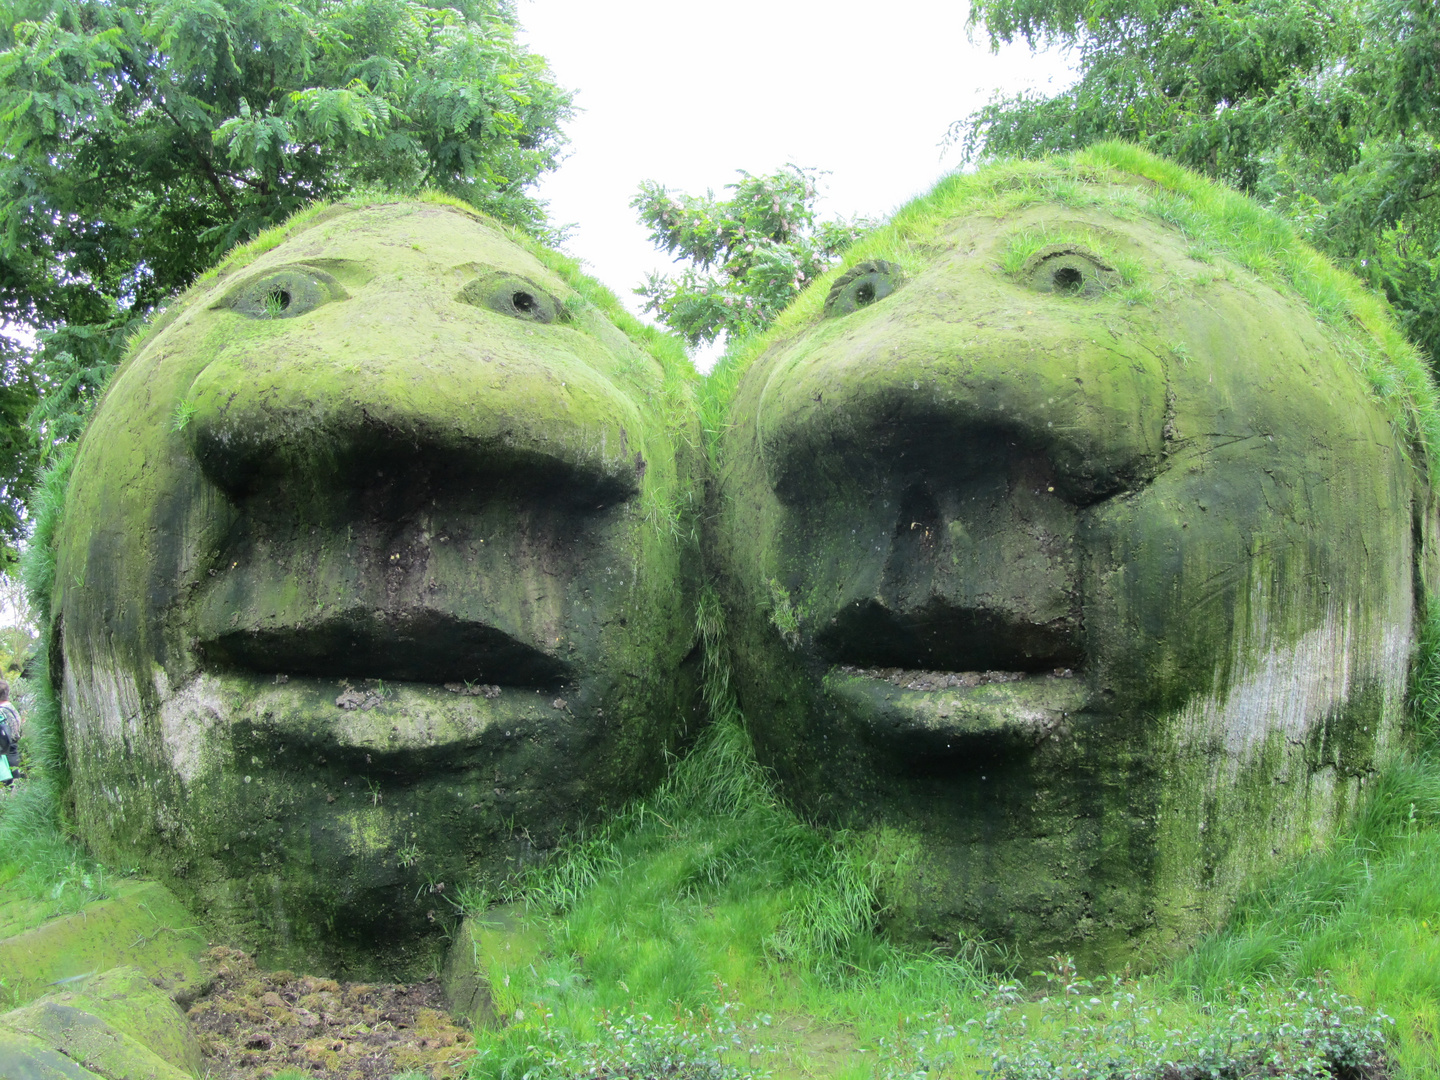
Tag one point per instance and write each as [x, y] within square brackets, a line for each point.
[254, 1023]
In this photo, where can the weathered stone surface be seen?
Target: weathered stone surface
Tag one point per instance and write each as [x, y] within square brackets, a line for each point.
[143, 926]
[1149, 485]
[24, 1057]
[134, 1005]
[393, 457]
[119, 1026]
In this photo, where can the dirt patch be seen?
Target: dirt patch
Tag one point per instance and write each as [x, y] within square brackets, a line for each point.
[253, 1023]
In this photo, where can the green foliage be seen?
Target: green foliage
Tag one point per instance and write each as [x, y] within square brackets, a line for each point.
[627, 1047]
[1107, 1028]
[36, 846]
[184, 413]
[18, 467]
[19, 633]
[39, 857]
[142, 141]
[764, 245]
[1326, 110]
[782, 613]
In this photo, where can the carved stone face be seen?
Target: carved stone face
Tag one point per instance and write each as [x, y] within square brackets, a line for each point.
[368, 578]
[1086, 565]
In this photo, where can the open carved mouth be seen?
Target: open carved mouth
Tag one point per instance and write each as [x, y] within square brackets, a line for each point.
[943, 683]
[417, 646]
[942, 637]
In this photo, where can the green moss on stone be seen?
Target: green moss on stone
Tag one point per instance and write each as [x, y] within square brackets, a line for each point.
[143, 926]
[1196, 487]
[373, 479]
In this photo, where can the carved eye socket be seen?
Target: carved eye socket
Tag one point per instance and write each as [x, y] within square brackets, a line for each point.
[510, 294]
[284, 294]
[861, 286]
[1070, 270]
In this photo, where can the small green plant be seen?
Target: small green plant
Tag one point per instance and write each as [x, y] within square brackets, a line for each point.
[782, 614]
[630, 1046]
[1111, 1028]
[183, 414]
[275, 303]
[408, 855]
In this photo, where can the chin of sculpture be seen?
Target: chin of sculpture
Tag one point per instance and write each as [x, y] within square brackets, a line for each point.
[1076, 553]
[371, 579]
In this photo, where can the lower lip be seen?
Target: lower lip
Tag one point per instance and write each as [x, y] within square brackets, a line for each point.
[387, 719]
[939, 711]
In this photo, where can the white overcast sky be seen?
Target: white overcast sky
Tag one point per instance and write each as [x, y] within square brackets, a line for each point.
[685, 93]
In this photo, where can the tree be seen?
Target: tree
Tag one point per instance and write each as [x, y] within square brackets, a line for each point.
[141, 140]
[1327, 110]
[763, 245]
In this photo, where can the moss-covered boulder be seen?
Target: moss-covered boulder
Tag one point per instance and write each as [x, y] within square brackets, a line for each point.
[118, 1026]
[140, 926]
[1078, 530]
[373, 573]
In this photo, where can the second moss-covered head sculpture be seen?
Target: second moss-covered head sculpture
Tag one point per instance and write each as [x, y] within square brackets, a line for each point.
[1073, 538]
[370, 579]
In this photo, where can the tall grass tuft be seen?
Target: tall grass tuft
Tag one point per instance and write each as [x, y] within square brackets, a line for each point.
[709, 893]
[40, 858]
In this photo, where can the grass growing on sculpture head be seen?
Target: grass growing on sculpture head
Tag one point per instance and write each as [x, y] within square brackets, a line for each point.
[1218, 222]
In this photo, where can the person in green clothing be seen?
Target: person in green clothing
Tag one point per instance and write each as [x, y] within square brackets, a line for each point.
[10, 725]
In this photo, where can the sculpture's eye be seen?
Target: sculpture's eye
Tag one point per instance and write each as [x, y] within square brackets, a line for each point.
[1070, 270]
[512, 295]
[861, 286]
[284, 294]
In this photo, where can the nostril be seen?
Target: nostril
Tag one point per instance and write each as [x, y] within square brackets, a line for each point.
[1068, 279]
[524, 302]
[277, 301]
[865, 294]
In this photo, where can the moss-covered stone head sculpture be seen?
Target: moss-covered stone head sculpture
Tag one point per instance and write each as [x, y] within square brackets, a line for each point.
[372, 575]
[1076, 534]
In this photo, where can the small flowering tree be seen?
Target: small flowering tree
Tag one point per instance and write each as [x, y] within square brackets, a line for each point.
[749, 255]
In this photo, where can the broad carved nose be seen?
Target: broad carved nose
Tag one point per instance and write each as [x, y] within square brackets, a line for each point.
[979, 573]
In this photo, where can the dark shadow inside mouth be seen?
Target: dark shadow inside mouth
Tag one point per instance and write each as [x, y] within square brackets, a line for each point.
[939, 637]
[372, 469]
[422, 647]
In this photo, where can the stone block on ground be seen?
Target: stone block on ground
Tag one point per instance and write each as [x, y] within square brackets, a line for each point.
[24, 1057]
[488, 950]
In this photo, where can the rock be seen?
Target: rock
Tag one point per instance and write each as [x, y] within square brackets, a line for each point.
[119, 1026]
[488, 949]
[143, 926]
